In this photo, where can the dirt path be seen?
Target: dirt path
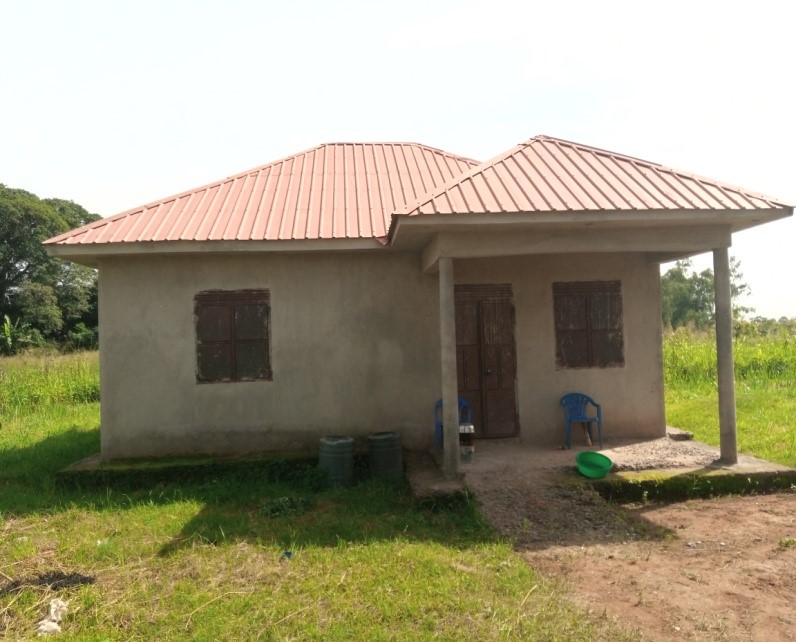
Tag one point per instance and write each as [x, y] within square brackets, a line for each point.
[718, 569]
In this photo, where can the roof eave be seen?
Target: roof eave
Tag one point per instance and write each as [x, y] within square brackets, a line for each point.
[83, 253]
[737, 219]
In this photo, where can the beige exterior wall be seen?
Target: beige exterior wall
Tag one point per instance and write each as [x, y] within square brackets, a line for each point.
[632, 395]
[354, 349]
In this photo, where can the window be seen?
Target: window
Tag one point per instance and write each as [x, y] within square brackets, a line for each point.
[233, 335]
[588, 320]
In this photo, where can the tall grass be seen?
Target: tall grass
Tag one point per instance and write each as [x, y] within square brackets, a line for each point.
[765, 374]
[690, 357]
[49, 415]
[47, 379]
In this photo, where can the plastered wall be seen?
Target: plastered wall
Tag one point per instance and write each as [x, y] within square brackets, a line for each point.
[632, 395]
[354, 349]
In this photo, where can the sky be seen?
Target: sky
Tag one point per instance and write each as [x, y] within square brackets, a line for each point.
[113, 104]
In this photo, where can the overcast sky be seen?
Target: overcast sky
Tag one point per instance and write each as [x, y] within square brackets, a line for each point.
[113, 104]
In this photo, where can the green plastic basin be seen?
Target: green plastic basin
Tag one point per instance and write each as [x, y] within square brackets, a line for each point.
[593, 465]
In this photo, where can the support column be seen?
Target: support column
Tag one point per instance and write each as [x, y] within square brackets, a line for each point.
[450, 392]
[725, 366]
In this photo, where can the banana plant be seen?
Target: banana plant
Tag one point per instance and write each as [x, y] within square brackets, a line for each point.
[14, 336]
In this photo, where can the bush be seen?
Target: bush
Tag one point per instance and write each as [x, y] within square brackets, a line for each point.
[82, 338]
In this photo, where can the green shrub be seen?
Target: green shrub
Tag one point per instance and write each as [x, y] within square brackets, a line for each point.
[82, 337]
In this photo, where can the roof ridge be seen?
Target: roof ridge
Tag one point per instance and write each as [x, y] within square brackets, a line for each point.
[408, 143]
[474, 171]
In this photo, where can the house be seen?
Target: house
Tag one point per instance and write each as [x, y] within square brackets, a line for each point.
[344, 289]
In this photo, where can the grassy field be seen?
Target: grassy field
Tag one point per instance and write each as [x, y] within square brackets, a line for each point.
[203, 556]
[765, 372]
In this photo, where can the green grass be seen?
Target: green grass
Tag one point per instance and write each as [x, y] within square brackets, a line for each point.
[49, 412]
[690, 358]
[765, 371]
[47, 380]
[199, 556]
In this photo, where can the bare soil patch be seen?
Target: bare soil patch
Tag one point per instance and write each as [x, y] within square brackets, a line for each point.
[715, 569]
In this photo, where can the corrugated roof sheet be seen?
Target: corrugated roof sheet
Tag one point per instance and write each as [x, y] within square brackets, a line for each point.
[351, 191]
[548, 174]
[333, 191]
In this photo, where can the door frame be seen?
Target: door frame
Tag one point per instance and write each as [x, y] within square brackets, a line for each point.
[480, 293]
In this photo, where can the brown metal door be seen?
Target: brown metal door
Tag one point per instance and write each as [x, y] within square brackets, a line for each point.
[485, 357]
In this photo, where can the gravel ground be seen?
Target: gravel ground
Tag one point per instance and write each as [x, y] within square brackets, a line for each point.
[655, 569]
[531, 494]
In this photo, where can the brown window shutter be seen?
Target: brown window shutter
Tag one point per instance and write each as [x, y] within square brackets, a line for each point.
[588, 324]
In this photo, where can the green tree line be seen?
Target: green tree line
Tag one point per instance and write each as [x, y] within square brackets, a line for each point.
[687, 300]
[687, 296]
[42, 300]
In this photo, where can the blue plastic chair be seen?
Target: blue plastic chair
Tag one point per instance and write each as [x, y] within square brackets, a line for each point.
[463, 405]
[576, 406]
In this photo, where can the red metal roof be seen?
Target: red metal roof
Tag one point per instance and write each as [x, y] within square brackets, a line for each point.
[333, 191]
[548, 174]
[351, 191]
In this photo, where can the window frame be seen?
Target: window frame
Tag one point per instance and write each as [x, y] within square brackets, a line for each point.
[232, 301]
[595, 340]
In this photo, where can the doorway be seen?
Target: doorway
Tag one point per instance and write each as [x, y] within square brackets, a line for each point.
[486, 357]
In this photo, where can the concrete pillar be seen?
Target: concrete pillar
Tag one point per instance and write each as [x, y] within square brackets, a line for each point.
[450, 387]
[726, 374]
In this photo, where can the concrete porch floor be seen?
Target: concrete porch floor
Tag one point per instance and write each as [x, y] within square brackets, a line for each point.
[675, 452]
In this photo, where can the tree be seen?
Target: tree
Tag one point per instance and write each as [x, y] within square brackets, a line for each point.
[48, 296]
[25, 221]
[687, 297]
[75, 215]
[38, 307]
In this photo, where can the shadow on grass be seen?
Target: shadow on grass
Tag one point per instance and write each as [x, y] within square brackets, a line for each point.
[369, 511]
[271, 502]
[53, 580]
[40, 460]
[280, 502]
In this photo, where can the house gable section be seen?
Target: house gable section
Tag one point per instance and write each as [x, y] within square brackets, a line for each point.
[333, 191]
[547, 174]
